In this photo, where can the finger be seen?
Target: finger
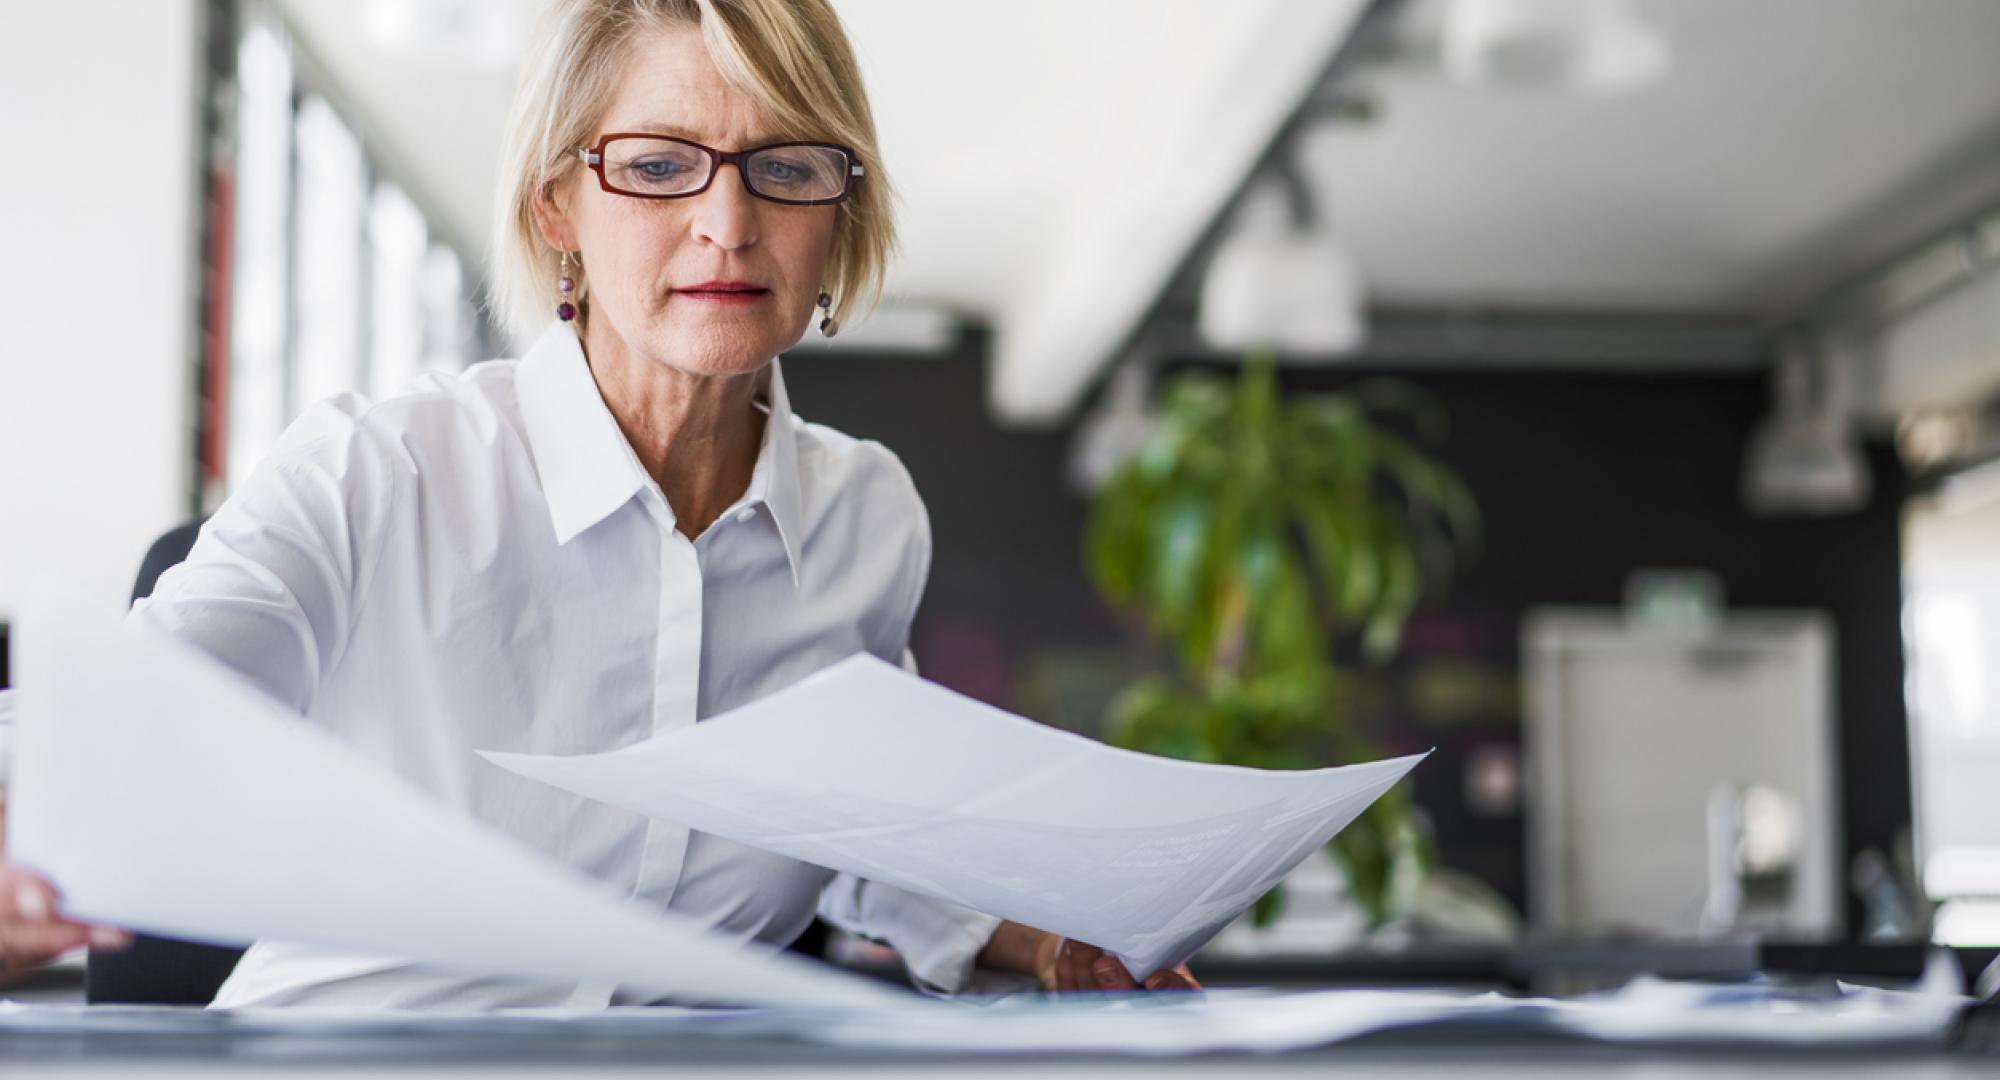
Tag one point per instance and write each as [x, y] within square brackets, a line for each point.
[25, 897]
[31, 905]
[1066, 971]
[1083, 961]
[1086, 960]
[35, 944]
[60, 937]
[109, 938]
[1172, 979]
[29, 920]
[1081, 979]
[1111, 975]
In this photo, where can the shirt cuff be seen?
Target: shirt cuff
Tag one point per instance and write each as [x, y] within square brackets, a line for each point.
[939, 942]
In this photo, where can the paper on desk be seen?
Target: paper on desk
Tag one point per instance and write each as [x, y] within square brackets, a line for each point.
[1156, 1025]
[161, 793]
[866, 768]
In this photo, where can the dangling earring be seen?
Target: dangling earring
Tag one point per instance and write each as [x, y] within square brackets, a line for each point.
[827, 327]
[565, 285]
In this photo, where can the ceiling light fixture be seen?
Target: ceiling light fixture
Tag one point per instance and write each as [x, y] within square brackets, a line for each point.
[1805, 458]
[1282, 278]
[1599, 46]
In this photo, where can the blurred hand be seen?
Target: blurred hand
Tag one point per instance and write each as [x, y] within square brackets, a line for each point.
[32, 933]
[1066, 966]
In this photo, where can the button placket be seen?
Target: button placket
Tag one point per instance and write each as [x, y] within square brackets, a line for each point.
[676, 692]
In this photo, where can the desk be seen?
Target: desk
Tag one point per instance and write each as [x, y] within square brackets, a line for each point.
[192, 1043]
[1566, 968]
[1377, 1056]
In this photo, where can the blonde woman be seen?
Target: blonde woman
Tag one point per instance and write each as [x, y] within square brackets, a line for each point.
[622, 532]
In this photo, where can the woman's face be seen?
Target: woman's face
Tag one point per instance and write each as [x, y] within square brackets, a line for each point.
[646, 257]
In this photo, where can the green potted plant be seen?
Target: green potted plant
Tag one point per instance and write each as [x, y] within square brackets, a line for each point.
[1250, 533]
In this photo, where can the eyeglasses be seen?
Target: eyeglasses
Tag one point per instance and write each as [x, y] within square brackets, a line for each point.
[661, 167]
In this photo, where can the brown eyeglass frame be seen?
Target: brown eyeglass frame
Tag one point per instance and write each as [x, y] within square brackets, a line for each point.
[593, 158]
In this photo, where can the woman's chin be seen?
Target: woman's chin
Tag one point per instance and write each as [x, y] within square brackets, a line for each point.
[716, 346]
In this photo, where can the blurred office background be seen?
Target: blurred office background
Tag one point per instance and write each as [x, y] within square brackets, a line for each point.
[1707, 291]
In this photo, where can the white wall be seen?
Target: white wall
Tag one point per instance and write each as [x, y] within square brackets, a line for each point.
[97, 208]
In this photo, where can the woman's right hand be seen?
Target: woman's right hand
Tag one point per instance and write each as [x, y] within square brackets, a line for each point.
[32, 933]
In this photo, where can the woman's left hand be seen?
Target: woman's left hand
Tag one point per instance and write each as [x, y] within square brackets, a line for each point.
[1067, 966]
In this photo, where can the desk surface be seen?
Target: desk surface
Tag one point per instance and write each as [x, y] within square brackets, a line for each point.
[1412, 1055]
[188, 1043]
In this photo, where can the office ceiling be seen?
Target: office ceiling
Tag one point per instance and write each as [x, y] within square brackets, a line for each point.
[1791, 145]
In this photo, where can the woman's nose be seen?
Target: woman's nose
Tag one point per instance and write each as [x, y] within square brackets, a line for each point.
[726, 214]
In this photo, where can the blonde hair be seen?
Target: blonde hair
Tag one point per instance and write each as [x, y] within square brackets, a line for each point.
[790, 56]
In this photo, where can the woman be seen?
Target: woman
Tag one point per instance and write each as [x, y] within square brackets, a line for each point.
[621, 533]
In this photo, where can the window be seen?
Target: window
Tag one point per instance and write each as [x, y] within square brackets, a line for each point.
[338, 279]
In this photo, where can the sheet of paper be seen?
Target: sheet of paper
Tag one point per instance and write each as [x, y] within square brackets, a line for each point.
[1161, 1025]
[1649, 1010]
[866, 768]
[161, 793]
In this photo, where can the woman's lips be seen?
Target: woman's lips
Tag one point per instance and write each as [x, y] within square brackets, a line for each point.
[724, 292]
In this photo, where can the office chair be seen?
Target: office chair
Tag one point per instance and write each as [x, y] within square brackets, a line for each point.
[167, 971]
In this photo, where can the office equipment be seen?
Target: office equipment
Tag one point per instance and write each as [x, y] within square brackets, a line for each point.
[868, 769]
[1662, 759]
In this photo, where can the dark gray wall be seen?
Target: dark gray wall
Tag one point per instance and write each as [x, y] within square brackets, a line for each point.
[1581, 478]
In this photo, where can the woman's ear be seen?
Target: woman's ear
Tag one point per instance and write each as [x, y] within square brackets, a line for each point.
[552, 216]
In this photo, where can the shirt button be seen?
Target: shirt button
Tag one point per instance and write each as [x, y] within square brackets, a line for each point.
[746, 513]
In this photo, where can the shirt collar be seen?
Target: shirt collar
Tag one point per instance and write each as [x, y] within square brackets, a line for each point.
[587, 467]
[775, 481]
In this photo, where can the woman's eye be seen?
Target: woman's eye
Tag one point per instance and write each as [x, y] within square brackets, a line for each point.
[785, 172]
[658, 169]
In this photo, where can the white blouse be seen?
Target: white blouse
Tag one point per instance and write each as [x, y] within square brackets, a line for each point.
[483, 563]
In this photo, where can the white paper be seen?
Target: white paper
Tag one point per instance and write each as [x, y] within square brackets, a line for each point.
[1649, 1010]
[160, 792]
[1158, 1025]
[866, 768]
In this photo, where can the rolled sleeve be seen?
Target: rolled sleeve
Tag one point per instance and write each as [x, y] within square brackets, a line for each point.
[940, 942]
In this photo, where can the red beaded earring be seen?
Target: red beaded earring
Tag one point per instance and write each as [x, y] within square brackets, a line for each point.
[566, 285]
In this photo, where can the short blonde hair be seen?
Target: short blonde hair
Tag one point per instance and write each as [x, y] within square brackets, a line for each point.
[790, 56]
